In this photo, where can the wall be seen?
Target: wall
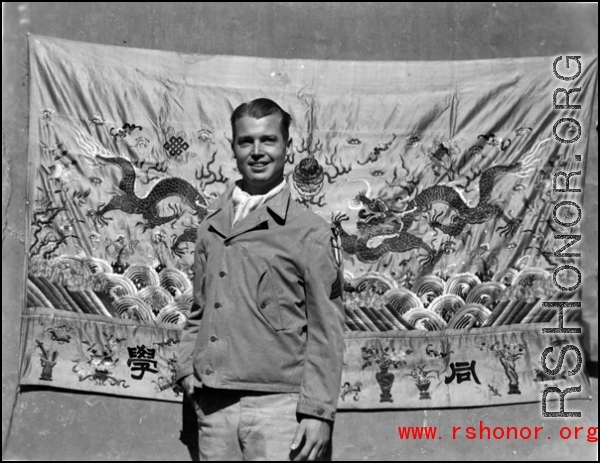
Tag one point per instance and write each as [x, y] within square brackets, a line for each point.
[50, 424]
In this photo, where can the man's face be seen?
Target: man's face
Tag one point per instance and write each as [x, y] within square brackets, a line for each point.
[260, 152]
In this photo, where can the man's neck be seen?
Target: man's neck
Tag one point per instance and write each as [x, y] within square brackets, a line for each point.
[255, 190]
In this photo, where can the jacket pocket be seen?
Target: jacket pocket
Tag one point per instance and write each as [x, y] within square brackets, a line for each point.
[267, 302]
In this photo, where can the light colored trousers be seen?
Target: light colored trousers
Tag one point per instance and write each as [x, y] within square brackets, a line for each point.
[244, 425]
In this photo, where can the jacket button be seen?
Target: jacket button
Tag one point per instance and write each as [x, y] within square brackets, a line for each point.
[214, 339]
[217, 305]
[222, 274]
[320, 411]
[208, 371]
[263, 305]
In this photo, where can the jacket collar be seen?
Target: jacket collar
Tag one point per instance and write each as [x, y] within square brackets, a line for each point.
[220, 212]
[279, 203]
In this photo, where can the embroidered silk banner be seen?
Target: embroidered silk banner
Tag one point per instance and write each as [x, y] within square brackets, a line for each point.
[408, 369]
[436, 176]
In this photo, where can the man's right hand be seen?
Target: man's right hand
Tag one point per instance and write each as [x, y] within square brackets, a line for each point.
[188, 385]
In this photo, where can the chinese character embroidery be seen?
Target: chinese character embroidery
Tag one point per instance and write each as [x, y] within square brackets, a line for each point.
[141, 359]
[462, 371]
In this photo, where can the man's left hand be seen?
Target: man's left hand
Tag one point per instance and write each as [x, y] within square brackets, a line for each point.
[316, 434]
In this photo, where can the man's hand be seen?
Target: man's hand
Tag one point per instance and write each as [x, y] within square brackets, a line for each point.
[315, 434]
[188, 385]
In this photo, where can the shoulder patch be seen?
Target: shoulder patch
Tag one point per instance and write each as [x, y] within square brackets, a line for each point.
[336, 287]
[336, 245]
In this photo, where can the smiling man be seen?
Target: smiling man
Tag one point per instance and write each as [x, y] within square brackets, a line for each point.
[261, 354]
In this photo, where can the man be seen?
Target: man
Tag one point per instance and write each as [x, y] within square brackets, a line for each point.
[261, 354]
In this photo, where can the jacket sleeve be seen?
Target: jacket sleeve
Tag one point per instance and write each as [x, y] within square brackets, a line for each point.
[187, 346]
[323, 286]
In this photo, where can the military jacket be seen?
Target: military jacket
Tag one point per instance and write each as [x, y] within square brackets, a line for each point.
[267, 312]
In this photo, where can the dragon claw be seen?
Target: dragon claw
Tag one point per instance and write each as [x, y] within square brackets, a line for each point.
[98, 217]
[177, 251]
[510, 228]
[339, 218]
[427, 260]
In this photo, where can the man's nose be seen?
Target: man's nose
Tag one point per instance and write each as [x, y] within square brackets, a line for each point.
[256, 149]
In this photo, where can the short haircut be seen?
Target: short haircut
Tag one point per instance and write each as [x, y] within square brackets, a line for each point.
[259, 108]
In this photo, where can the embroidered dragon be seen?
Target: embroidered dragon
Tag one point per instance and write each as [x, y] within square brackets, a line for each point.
[391, 228]
[465, 215]
[373, 246]
[130, 203]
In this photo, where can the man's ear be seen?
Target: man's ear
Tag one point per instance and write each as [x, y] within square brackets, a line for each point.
[289, 145]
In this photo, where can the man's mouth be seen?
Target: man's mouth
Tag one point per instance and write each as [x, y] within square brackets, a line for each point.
[259, 164]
